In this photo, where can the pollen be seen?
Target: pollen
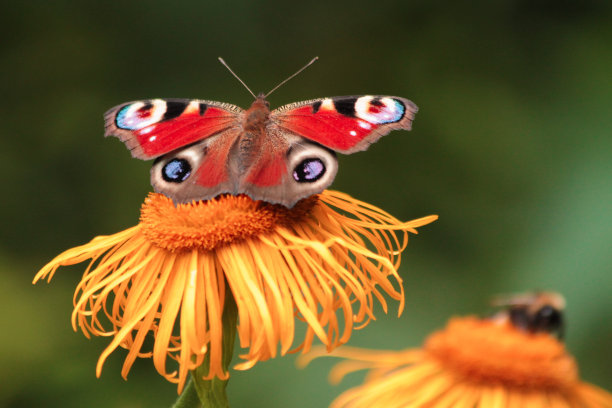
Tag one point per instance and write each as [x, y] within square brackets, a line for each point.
[210, 224]
[488, 352]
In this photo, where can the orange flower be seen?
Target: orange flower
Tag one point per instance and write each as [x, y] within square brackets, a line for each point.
[473, 362]
[171, 275]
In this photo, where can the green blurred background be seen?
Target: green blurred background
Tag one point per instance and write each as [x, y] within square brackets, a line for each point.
[512, 148]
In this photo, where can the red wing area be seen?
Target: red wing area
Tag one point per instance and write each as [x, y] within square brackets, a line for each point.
[266, 178]
[213, 169]
[164, 137]
[153, 128]
[268, 171]
[346, 124]
[267, 167]
[329, 128]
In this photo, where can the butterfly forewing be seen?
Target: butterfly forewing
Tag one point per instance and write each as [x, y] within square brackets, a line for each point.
[346, 124]
[152, 128]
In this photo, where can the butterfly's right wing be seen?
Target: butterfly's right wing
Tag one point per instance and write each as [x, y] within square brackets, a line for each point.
[346, 124]
[297, 158]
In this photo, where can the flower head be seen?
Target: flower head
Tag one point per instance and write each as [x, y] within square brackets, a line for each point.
[473, 362]
[325, 261]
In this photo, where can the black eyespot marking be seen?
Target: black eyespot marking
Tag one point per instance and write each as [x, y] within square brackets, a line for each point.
[309, 170]
[176, 171]
[345, 107]
[174, 109]
[377, 102]
[203, 108]
[316, 106]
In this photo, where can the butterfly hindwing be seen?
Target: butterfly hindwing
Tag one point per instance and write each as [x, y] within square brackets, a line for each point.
[287, 169]
[152, 128]
[197, 171]
[346, 124]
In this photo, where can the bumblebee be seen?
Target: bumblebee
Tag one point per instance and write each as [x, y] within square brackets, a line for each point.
[533, 312]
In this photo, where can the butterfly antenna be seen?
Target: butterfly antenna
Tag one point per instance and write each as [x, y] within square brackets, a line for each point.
[237, 77]
[300, 70]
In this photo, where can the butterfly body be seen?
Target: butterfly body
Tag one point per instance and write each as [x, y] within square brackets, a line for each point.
[206, 148]
[254, 125]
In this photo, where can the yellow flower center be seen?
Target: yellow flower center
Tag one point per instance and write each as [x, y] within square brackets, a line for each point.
[493, 353]
[210, 224]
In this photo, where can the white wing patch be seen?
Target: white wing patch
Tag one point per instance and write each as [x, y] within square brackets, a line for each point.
[139, 115]
[379, 110]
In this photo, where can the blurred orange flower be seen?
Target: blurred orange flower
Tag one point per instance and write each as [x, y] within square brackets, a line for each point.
[473, 362]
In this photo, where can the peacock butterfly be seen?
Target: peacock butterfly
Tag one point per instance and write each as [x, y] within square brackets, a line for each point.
[205, 148]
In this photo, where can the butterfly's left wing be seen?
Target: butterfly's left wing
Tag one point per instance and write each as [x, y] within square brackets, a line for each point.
[190, 140]
[346, 124]
[151, 128]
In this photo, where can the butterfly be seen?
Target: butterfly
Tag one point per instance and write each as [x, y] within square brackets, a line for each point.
[204, 148]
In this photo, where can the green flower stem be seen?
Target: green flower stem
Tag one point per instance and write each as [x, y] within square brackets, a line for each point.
[189, 398]
[199, 393]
